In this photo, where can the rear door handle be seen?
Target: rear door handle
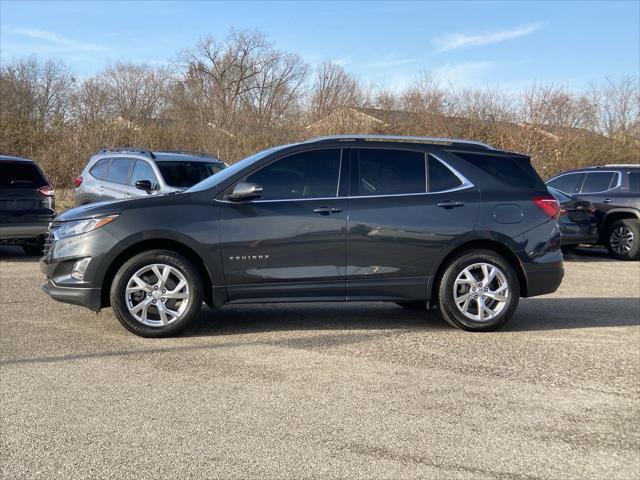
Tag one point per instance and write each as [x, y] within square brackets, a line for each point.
[607, 200]
[450, 204]
[326, 210]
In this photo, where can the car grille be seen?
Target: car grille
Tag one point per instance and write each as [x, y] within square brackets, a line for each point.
[50, 241]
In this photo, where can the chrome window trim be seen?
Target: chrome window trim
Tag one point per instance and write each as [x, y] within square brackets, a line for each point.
[339, 171]
[586, 172]
[463, 186]
[465, 182]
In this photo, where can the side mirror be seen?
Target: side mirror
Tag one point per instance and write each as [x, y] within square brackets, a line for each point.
[145, 185]
[246, 191]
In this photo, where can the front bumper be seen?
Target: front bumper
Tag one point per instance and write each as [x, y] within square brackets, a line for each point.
[86, 296]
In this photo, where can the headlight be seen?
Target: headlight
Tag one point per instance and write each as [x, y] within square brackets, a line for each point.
[76, 227]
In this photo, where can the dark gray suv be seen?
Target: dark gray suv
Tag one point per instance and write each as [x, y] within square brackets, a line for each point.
[417, 221]
[113, 174]
[614, 192]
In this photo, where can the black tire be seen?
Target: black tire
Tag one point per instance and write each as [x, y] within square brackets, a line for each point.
[630, 228]
[414, 305]
[33, 249]
[448, 308]
[133, 265]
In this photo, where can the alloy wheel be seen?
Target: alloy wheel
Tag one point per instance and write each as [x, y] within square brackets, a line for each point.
[481, 291]
[621, 239]
[157, 295]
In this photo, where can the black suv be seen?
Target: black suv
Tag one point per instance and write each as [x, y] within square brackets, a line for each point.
[27, 204]
[614, 191]
[411, 220]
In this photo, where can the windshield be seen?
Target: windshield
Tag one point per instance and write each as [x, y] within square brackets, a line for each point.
[233, 169]
[181, 174]
[20, 175]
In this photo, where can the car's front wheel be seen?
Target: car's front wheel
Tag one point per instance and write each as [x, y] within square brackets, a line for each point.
[479, 291]
[623, 239]
[156, 293]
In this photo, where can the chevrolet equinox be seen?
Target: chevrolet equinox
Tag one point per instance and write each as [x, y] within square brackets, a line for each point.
[423, 222]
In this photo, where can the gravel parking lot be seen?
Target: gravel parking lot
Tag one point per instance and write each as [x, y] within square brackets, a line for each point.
[325, 391]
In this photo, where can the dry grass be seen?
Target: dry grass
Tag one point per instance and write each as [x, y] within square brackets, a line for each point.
[65, 200]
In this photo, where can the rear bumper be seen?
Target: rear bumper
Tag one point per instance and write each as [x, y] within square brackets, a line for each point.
[544, 279]
[86, 297]
[22, 231]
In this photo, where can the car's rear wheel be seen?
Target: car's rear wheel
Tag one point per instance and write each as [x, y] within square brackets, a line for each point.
[156, 293]
[479, 291]
[623, 239]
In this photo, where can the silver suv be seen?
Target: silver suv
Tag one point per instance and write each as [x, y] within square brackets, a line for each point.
[127, 173]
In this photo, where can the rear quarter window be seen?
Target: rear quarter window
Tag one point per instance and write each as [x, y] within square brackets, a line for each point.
[21, 175]
[516, 172]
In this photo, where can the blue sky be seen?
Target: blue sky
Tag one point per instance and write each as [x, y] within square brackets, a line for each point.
[476, 44]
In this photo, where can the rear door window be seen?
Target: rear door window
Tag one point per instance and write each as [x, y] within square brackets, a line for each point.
[440, 178]
[598, 182]
[634, 182]
[119, 170]
[569, 183]
[388, 172]
[99, 170]
[21, 175]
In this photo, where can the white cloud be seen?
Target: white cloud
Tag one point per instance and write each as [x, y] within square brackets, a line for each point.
[343, 61]
[461, 40]
[462, 74]
[390, 62]
[57, 40]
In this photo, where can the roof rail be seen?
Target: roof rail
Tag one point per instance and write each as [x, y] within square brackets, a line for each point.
[622, 165]
[401, 138]
[137, 151]
[184, 152]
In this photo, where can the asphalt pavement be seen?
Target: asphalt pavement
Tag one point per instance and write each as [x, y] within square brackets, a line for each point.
[325, 390]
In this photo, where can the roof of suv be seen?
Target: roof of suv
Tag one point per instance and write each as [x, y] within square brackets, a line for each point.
[596, 168]
[455, 142]
[7, 158]
[162, 155]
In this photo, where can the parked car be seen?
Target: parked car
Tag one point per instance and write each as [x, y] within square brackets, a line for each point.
[126, 173]
[412, 220]
[614, 190]
[578, 219]
[27, 204]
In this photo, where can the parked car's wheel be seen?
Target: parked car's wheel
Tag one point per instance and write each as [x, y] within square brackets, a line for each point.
[417, 305]
[479, 291]
[33, 249]
[623, 239]
[156, 293]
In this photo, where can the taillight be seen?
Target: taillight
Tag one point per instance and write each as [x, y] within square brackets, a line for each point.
[47, 191]
[77, 181]
[548, 205]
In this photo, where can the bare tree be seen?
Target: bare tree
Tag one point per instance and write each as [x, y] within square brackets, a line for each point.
[333, 88]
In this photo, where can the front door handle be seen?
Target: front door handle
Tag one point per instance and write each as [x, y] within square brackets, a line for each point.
[326, 210]
[450, 204]
[607, 200]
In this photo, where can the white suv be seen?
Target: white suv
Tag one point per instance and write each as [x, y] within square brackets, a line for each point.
[126, 173]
